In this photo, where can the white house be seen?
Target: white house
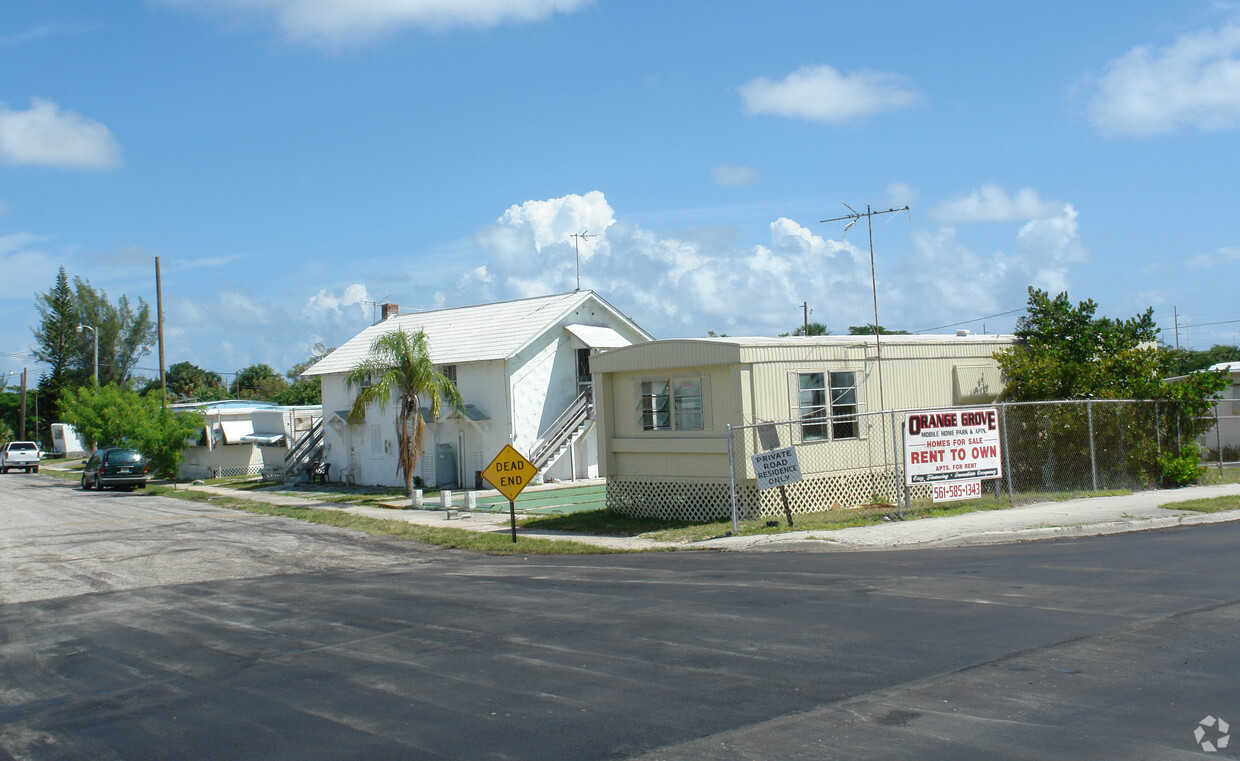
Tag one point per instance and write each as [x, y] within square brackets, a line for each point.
[523, 370]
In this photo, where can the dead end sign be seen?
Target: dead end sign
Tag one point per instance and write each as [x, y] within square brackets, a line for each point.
[510, 472]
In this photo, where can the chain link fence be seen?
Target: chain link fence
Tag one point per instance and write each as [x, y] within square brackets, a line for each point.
[1221, 443]
[1047, 449]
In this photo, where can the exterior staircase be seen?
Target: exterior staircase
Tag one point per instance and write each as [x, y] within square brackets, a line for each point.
[306, 450]
[570, 426]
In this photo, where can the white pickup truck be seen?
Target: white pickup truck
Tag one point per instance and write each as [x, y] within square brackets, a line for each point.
[19, 454]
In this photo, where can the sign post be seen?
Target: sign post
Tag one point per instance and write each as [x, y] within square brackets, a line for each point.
[952, 451]
[778, 467]
[510, 472]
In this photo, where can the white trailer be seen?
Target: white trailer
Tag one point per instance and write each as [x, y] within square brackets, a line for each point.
[65, 441]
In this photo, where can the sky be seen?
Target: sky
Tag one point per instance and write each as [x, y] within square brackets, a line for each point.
[294, 163]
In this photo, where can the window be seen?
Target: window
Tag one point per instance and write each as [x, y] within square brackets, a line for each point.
[653, 405]
[828, 412]
[449, 372]
[687, 403]
[671, 404]
[843, 405]
[583, 366]
[813, 404]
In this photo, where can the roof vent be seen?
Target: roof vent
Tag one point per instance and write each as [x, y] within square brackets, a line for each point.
[962, 332]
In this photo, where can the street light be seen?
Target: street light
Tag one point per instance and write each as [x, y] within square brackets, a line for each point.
[95, 334]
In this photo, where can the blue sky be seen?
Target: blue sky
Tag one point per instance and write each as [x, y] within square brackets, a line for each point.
[293, 161]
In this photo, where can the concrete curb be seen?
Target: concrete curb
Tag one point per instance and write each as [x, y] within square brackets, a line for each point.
[1096, 516]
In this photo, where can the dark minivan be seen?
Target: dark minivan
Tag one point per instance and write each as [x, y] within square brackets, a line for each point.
[122, 468]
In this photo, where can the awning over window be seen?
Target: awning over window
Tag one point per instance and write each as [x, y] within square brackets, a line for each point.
[471, 411]
[264, 439]
[234, 430]
[976, 384]
[597, 336]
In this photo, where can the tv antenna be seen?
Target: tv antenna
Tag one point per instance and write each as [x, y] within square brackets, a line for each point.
[577, 238]
[852, 218]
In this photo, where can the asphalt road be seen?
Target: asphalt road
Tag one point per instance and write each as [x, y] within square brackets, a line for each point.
[137, 627]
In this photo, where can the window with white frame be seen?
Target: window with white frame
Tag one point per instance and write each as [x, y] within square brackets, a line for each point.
[827, 405]
[666, 404]
[843, 405]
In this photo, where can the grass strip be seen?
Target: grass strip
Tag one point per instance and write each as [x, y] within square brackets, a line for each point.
[1211, 505]
[490, 543]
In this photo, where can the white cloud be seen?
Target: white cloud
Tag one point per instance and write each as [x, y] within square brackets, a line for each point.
[1225, 255]
[45, 135]
[992, 203]
[25, 265]
[733, 176]
[1194, 83]
[822, 94]
[333, 23]
[694, 281]
[327, 306]
[902, 194]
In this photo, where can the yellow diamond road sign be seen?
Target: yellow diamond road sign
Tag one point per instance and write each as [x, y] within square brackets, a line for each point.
[510, 472]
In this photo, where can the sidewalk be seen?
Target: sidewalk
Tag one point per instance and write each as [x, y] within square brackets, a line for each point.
[1094, 516]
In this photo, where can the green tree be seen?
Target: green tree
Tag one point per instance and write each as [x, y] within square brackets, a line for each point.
[126, 334]
[304, 390]
[868, 330]
[259, 382]
[814, 329]
[1192, 360]
[116, 416]
[400, 367]
[55, 337]
[1065, 352]
[185, 381]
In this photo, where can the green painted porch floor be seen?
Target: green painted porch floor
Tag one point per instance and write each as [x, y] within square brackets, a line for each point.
[572, 499]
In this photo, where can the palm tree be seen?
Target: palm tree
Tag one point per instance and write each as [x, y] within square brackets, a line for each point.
[400, 366]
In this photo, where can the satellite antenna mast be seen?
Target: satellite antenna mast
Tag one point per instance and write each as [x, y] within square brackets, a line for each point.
[577, 238]
[852, 218]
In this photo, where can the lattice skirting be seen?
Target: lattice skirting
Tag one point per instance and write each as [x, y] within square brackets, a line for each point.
[699, 501]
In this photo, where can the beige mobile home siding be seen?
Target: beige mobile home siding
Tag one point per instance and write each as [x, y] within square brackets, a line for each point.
[685, 474]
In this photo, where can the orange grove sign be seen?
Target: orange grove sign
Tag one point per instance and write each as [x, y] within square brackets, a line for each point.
[510, 472]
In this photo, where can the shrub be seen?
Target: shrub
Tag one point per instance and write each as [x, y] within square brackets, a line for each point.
[1183, 469]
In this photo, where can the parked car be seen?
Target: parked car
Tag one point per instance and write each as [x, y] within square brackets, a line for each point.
[115, 466]
[20, 454]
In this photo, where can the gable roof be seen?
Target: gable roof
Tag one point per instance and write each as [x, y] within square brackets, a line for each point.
[472, 333]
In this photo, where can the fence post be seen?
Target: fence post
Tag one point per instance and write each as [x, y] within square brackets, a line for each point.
[1007, 454]
[732, 479]
[896, 461]
[1157, 431]
[1093, 457]
[1218, 438]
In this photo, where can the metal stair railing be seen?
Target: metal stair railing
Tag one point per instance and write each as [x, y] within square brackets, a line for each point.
[304, 448]
[563, 429]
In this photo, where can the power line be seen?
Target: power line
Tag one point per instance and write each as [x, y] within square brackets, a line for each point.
[966, 322]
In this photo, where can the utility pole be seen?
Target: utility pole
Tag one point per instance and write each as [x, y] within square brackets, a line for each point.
[577, 238]
[22, 417]
[852, 218]
[159, 317]
[805, 317]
